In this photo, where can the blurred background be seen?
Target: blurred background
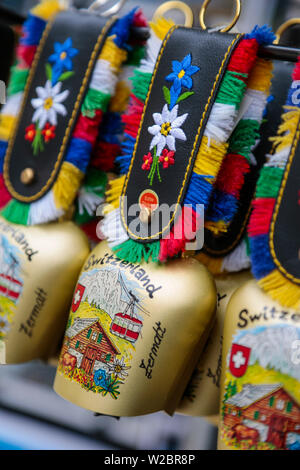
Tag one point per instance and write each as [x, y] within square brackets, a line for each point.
[32, 416]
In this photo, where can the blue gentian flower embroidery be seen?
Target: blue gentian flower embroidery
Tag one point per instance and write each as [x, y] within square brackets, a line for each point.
[181, 77]
[62, 58]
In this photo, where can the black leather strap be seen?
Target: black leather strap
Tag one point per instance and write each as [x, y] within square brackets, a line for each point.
[88, 33]
[210, 52]
[285, 227]
[225, 244]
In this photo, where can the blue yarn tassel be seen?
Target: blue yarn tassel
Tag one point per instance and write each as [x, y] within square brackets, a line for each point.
[263, 34]
[78, 153]
[33, 30]
[3, 148]
[123, 161]
[199, 192]
[262, 263]
[225, 207]
[122, 29]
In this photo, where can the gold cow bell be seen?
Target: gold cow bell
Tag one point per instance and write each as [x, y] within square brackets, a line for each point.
[135, 333]
[202, 395]
[260, 392]
[39, 267]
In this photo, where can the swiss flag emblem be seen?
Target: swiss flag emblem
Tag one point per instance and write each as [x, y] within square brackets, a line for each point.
[79, 291]
[239, 359]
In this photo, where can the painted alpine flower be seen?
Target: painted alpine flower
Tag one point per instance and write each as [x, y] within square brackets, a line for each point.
[167, 128]
[118, 368]
[48, 104]
[62, 58]
[4, 325]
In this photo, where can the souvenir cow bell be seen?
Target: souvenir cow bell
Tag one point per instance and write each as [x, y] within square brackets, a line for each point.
[202, 395]
[260, 391]
[134, 334]
[35, 291]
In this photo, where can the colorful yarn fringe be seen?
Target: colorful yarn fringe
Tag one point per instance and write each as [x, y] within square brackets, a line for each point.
[213, 148]
[109, 141]
[264, 269]
[238, 163]
[60, 198]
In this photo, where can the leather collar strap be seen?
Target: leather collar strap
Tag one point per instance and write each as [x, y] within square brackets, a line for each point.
[208, 54]
[60, 75]
[225, 244]
[285, 227]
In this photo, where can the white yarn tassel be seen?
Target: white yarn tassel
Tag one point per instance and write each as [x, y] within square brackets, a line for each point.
[153, 48]
[237, 260]
[112, 229]
[103, 78]
[44, 210]
[221, 122]
[257, 102]
[279, 159]
[13, 105]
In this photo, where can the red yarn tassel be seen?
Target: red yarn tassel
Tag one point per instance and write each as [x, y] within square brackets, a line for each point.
[183, 232]
[5, 196]
[88, 128]
[296, 74]
[25, 55]
[104, 156]
[133, 118]
[261, 217]
[231, 177]
[244, 56]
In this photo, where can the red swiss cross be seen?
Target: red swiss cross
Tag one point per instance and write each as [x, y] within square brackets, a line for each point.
[239, 359]
[79, 291]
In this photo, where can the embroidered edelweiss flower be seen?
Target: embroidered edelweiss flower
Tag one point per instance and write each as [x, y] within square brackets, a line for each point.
[182, 73]
[30, 133]
[148, 160]
[118, 368]
[48, 132]
[167, 129]
[48, 104]
[62, 58]
[167, 158]
[4, 325]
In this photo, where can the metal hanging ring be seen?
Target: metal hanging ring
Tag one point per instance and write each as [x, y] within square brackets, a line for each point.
[227, 28]
[111, 11]
[176, 5]
[284, 27]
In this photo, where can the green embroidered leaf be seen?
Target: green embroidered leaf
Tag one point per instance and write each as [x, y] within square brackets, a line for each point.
[49, 71]
[184, 96]
[167, 94]
[66, 76]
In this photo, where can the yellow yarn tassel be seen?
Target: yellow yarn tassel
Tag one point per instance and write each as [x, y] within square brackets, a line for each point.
[120, 101]
[7, 124]
[66, 186]
[217, 227]
[113, 54]
[213, 264]
[210, 158]
[281, 289]
[261, 76]
[47, 8]
[286, 132]
[114, 193]
[161, 27]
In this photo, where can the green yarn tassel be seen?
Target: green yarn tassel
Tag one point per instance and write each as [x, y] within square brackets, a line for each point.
[232, 90]
[244, 138]
[134, 252]
[95, 99]
[269, 183]
[16, 212]
[18, 81]
[141, 83]
[136, 55]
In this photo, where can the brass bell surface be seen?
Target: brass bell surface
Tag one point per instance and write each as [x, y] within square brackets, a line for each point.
[38, 271]
[260, 385]
[134, 334]
[202, 395]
